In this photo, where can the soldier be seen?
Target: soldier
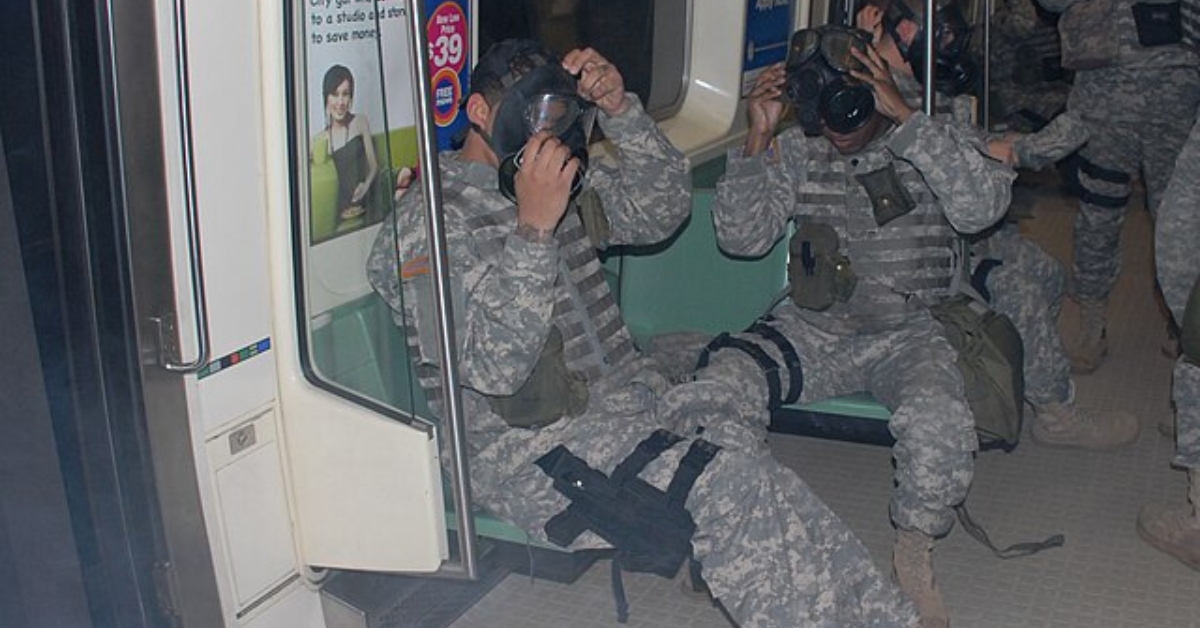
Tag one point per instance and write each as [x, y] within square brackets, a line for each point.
[1136, 87]
[1028, 84]
[1020, 279]
[876, 191]
[1172, 529]
[547, 363]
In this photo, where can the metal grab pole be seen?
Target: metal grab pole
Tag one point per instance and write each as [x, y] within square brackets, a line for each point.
[985, 98]
[928, 93]
[431, 186]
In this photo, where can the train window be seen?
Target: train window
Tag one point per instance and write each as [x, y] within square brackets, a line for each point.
[355, 148]
[646, 40]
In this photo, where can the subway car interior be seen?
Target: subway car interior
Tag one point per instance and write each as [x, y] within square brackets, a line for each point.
[210, 416]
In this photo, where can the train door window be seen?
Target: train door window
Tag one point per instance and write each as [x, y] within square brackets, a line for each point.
[646, 40]
[355, 154]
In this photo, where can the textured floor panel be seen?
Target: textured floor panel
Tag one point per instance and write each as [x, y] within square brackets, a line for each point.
[1104, 576]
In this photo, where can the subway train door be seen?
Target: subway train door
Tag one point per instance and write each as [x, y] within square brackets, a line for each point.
[197, 442]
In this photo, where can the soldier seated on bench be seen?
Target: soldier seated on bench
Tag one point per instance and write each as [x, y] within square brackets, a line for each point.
[877, 192]
[564, 416]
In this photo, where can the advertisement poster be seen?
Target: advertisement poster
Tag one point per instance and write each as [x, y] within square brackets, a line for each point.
[768, 29]
[362, 126]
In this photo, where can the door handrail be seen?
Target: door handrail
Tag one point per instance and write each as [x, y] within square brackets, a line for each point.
[431, 186]
[191, 211]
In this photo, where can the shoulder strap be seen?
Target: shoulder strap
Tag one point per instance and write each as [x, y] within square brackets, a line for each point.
[649, 449]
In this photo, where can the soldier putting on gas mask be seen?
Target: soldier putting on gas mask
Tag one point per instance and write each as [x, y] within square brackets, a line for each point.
[892, 185]
[565, 418]
[1017, 277]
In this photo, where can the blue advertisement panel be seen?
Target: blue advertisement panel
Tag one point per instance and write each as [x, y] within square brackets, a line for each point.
[448, 29]
[768, 27]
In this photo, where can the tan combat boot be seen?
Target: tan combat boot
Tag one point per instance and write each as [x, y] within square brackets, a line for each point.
[1175, 530]
[1091, 345]
[1066, 425]
[912, 565]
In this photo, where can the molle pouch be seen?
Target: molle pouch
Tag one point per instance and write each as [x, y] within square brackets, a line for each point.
[1158, 24]
[818, 273]
[550, 393]
[889, 198]
[1088, 32]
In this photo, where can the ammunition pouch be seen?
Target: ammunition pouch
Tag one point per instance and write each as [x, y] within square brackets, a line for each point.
[1088, 32]
[650, 529]
[889, 198]
[549, 393]
[1158, 24]
[1189, 327]
[818, 273]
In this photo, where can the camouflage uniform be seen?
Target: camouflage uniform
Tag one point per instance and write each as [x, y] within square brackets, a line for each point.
[1139, 108]
[1178, 260]
[1168, 527]
[1026, 92]
[883, 339]
[1021, 280]
[771, 551]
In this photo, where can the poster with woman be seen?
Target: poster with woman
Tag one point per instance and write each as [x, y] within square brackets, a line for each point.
[363, 146]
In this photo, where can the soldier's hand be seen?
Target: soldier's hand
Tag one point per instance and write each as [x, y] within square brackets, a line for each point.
[543, 184]
[765, 104]
[888, 100]
[599, 81]
[1003, 149]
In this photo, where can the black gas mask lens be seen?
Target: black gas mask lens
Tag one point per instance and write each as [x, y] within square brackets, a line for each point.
[819, 84]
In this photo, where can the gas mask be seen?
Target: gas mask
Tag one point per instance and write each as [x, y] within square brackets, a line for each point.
[819, 84]
[954, 70]
[545, 99]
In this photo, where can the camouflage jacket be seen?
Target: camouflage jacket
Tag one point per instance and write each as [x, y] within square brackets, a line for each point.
[942, 165]
[508, 290]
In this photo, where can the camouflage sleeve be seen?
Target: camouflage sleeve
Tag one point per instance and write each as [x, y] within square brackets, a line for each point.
[1063, 136]
[401, 238]
[646, 196]
[755, 197]
[507, 304]
[973, 189]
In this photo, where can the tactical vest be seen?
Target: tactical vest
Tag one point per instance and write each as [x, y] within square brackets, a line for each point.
[902, 267]
[1129, 33]
[596, 343]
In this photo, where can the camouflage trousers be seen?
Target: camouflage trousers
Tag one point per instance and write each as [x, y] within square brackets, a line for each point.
[1177, 257]
[911, 371]
[1028, 287]
[1138, 120]
[771, 551]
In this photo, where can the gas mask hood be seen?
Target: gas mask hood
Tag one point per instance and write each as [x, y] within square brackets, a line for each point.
[545, 99]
